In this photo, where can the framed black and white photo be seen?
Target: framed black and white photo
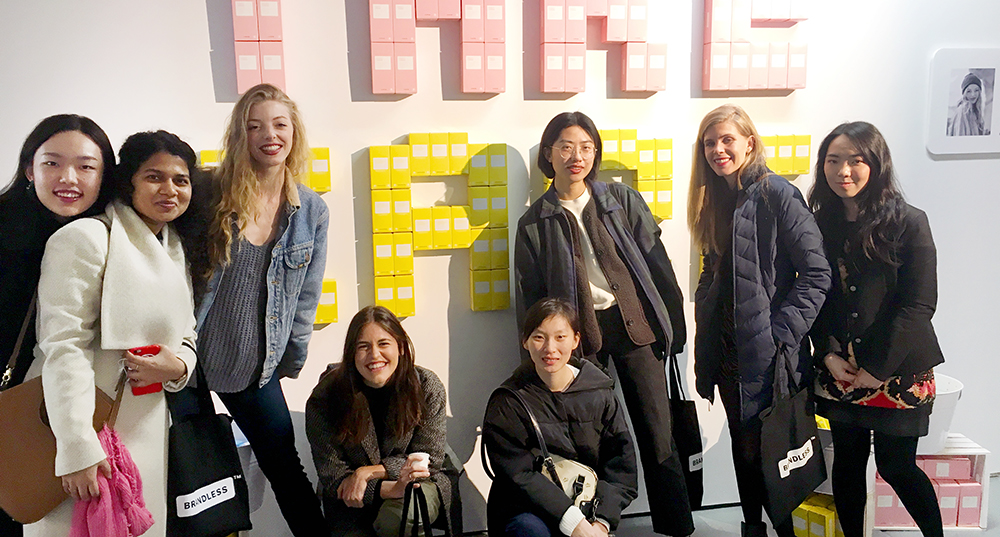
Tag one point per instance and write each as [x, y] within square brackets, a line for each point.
[961, 112]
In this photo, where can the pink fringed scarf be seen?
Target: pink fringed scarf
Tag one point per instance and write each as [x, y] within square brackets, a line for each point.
[120, 511]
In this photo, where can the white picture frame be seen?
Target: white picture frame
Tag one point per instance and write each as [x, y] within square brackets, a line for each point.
[957, 123]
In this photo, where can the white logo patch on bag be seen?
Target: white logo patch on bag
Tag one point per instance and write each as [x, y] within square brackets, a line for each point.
[797, 458]
[695, 462]
[208, 496]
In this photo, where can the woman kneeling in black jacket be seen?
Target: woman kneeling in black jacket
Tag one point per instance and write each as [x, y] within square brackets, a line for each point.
[574, 403]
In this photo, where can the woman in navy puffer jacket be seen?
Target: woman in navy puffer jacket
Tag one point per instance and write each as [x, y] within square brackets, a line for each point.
[763, 281]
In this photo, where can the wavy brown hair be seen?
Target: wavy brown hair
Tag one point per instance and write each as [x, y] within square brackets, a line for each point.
[237, 184]
[708, 190]
[406, 402]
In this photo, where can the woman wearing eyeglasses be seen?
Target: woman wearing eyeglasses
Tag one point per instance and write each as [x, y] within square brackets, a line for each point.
[597, 246]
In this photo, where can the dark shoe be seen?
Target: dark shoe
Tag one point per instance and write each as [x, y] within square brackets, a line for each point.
[753, 529]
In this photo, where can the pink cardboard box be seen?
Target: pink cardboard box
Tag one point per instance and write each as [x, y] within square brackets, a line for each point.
[576, 73]
[948, 467]
[449, 9]
[634, 67]
[597, 8]
[741, 21]
[473, 67]
[553, 67]
[380, 20]
[949, 495]
[269, 20]
[715, 74]
[656, 66]
[888, 510]
[638, 20]
[383, 72]
[405, 60]
[427, 10]
[759, 59]
[247, 65]
[496, 71]
[739, 67]
[777, 70]
[473, 24]
[615, 29]
[969, 503]
[404, 22]
[576, 21]
[718, 21]
[553, 21]
[797, 65]
[245, 20]
[272, 63]
[494, 21]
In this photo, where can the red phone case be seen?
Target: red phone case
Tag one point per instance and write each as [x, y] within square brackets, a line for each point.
[148, 350]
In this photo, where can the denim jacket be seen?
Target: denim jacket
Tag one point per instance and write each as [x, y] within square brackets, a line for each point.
[295, 281]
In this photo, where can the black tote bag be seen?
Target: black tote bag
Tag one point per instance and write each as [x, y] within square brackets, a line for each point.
[206, 491]
[791, 454]
[687, 435]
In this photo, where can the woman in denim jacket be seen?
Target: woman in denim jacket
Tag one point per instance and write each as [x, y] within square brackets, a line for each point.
[267, 242]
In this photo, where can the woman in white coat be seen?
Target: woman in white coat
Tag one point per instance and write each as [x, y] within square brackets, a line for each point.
[108, 284]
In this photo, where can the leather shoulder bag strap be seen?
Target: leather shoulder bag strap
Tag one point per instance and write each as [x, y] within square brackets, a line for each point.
[20, 340]
[548, 465]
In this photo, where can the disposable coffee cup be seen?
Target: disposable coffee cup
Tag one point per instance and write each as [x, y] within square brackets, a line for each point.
[419, 461]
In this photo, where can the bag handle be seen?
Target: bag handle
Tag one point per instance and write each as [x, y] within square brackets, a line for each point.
[674, 378]
[547, 462]
[119, 391]
[782, 373]
[20, 339]
[420, 512]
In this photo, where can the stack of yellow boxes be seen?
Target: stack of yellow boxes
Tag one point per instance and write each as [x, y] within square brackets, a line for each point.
[399, 229]
[788, 155]
[817, 517]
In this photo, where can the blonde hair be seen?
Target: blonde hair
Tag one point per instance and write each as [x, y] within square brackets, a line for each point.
[237, 184]
[707, 189]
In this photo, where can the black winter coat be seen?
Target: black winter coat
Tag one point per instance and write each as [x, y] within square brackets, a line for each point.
[584, 423]
[781, 279]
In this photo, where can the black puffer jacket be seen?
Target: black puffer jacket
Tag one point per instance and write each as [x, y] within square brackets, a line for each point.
[584, 423]
[781, 279]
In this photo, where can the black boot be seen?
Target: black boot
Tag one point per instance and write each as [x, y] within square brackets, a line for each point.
[753, 529]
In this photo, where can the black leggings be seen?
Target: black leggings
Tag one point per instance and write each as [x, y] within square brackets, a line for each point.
[896, 459]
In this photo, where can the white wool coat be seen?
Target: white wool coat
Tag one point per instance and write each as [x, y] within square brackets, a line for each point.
[103, 291]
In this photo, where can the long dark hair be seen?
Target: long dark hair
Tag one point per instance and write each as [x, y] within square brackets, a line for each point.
[880, 203]
[49, 127]
[192, 225]
[348, 403]
[551, 134]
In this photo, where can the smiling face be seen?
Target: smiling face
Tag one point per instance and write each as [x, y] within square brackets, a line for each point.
[550, 346]
[376, 355]
[269, 134]
[572, 156]
[162, 190]
[66, 173]
[845, 168]
[726, 149]
[971, 93]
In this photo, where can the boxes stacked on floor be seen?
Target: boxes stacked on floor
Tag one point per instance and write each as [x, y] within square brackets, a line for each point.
[817, 517]
[959, 494]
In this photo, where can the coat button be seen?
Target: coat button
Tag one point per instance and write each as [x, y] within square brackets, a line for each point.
[857, 340]
[614, 287]
[853, 288]
[629, 322]
[854, 315]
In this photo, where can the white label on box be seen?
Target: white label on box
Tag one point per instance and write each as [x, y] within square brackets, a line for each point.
[328, 299]
[664, 196]
[271, 62]
[380, 163]
[208, 496]
[638, 13]
[244, 9]
[576, 13]
[501, 286]
[461, 224]
[383, 63]
[648, 197]
[611, 145]
[758, 61]
[784, 151]
[664, 155]
[797, 61]
[442, 224]
[320, 166]
[439, 150]
[404, 63]
[474, 63]
[382, 207]
[617, 179]
[498, 161]
[646, 155]
[473, 11]
[884, 501]
[970, 502]
[405, 293]
[720, 61]
[499, 245]
[616, 12]
[478, 161]
[404, 12]
[941, 469]
[817, 528]
[383, 250]
[380, 11]
[740, 61]
[404, 250]
[248, 62]
[574, 63]
[480, 204]
[385, 293]
[482, 288]
[769, 151]
[554, 13]
[419, 150]
[499, 203]
[494, 63]
[458, 150]
[553, 63]
[949, 502]
[481, 246]
[802, 151]
[778, 61]
[657, 61]
[494, 13]
[636, 61]
[421, 226]
[268, 9]
[402, 207]
[400, 163]
[628, 146]
[798, 522]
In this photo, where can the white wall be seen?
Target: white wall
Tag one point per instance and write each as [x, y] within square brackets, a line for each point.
[167, 64]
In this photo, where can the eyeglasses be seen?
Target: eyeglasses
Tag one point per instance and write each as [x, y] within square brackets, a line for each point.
[587, 151]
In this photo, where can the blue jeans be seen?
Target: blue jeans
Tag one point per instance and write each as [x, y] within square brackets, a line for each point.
[529, 525]
[263, 416]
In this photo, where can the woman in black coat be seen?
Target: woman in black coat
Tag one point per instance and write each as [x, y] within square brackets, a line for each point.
[875, 348]
[574, 403]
